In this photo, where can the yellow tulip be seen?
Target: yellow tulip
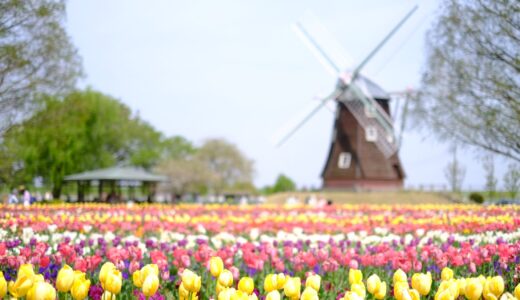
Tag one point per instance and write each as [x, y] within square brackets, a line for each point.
[26, 270]
[508, 296]
[496, 286]
[183, 292]
[381, 293]
[270, 283]
[354, 276]
[444, 295]
[149, 269]
[359, 288]
[373, 283]
[314, 282]
[226, 294]
[414, 294]
[422, 283]
[3, 285]
[246, 285]
[446, 273]
[113, 281]
[399, 287]
[216, 266]
[462, 286]
[473, 289]
[191, 281]
[239, 295]
[273, 295]
[399, 276]
[41, 291]
[351, 296]
[65, 279]
[219, 288]
[21, 286]
[226, 278]
[252, 297]
[280, 281]
[517, 291]
[108, 296]
[79, 290]
[137, 279]
[78, 275]
[309, 294]
[150, 285]
[105, 269]
[292, 287]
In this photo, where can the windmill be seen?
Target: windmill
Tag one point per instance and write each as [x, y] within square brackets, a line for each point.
[364, 151]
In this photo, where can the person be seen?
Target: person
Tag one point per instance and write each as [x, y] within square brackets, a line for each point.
[12, 197]
[26, 197]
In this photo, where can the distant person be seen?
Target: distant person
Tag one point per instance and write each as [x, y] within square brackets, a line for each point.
[26, 197]
[47, 196]
[12, 197]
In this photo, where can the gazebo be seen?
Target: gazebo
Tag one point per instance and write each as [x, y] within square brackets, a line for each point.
[116, 178]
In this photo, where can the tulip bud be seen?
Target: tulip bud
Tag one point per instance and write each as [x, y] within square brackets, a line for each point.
[351, 296]
[314, 282]
[150, 285]
[191, 281]
[246, 285]
[473, 289]
[354, 276]
[292, 288]
[446, 273]
[65, 279]
[105, 269]
[373, 283]
[216, 266]
[496, 285]
[359, 288]
[80, 288]
[270, 283]
[399, 276]
[273, 295]
[225, 278]
[41, 291]
[309, 294]
[239, 295]
[137, 279]
[108, 296]
[517, 291]
[422, 283]
[381, 293]
[280, 281]
[113, 281]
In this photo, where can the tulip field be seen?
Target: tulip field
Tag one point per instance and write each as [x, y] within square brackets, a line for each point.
[189, 251]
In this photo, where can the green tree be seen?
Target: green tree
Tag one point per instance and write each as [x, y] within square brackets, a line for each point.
[470, 92]
[283, 184]
[36, 55]
[227, 165]
[84, 130]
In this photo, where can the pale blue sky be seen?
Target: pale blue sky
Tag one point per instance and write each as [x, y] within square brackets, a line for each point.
[236, 70]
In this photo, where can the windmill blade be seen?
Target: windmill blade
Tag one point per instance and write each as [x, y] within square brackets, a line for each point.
[358, 101]
[290, 129]
[358, 69]
[321, 43]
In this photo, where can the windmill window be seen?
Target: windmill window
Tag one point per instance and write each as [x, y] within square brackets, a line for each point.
[371, 134]
[344, 160]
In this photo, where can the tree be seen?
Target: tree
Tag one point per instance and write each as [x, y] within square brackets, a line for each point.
[512, 180]
[455, 173]
[82, 131]
[36, 55]
[283, 184]
[186, 175]
[491, 180]
[470, 91]
[227, 164]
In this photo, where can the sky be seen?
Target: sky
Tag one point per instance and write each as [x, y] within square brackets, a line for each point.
[236, 70]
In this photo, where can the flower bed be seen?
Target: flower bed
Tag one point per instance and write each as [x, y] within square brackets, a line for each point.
[256, 242]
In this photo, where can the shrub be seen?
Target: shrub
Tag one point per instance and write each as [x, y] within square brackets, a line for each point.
[476, 197]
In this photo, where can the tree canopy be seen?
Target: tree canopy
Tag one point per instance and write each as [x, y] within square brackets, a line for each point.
[470, 90]
[85, 130]
[36, 55]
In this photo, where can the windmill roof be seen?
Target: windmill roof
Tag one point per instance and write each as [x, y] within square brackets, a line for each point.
[375, 90]
[117, 173]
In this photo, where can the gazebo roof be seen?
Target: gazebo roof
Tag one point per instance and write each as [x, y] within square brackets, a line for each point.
[117, 173]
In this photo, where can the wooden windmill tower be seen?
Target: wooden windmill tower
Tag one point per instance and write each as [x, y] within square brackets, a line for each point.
[363, 152]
